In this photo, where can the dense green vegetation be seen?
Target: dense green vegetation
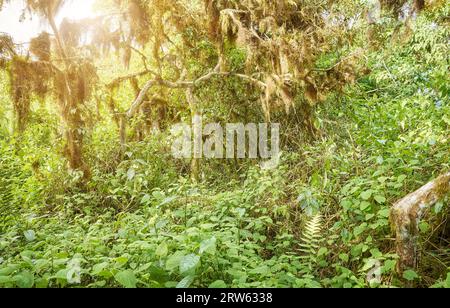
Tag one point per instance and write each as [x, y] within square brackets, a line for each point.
[320, 219]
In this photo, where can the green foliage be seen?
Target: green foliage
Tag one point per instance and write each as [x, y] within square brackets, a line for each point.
[321, 219]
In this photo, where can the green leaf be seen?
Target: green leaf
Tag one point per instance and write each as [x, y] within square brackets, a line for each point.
[208, 245]
[61, 274]
[30, 235]
[365, 195]
[384, 213]
[344, 257]
[410, 275]
[346, 204]
[240, 212]
[146, 199]
[364, 206]
[322, 251]
[389, 265]
[380, 199]
[98, 268]
[438, 207]
[158, 195]
[126, 278]
[401, 178]
[174, 261]
[382, 179]
[370, 216]
[376, 253]
[131, 174]
[24, 280]
[122, 260]
[6, 279]
[162, 250]
[424, 227]
[218, 284]
[264, 269]
[186, 282]
[189, 263]
[8, 270]
[370, 263]
[360, 229]
[168, 200]
[158, 274]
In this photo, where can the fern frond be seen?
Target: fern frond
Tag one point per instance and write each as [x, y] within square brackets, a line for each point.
[311, 239]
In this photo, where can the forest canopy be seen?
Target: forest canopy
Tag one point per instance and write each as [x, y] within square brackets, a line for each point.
[91, 195]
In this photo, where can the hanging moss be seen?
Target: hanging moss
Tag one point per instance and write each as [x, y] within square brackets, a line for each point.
[27, 78]
[70, 32]
[139, 18]
[282, 41]
[6, 45]
[40, 46]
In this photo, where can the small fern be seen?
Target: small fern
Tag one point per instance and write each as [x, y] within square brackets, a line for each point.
[311, 239]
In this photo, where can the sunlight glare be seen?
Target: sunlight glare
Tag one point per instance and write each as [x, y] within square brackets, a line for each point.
[23, 30]
[76, 10]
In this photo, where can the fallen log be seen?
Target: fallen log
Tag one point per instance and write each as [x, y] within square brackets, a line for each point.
[406, 215]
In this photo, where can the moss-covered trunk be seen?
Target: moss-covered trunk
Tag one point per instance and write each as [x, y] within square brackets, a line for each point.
[406, 215]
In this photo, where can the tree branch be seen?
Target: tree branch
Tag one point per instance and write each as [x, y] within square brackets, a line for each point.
[150, 84]
[118, 80]
[182, 84]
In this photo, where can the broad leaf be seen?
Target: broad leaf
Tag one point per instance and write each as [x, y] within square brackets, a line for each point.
[126, 278]
[189, 263]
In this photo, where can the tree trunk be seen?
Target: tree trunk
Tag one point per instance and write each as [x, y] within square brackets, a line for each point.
[59, 41]
[123, 132]
[195, 114]
[22, 113]
[406, 215]
[70, 112]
